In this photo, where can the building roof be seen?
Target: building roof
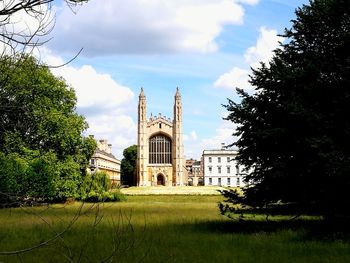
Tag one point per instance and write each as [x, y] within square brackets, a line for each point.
[105, 153]
[220, 152]
[197, 163]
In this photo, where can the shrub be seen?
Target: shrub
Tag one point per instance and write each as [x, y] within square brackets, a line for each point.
[96, 188]
[69, 180]
[35, 176]
[12, 172]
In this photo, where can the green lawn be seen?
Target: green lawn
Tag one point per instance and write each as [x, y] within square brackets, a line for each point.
[170, 190]
[164, 229]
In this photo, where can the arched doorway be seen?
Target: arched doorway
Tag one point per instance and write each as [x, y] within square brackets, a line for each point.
[160, 179]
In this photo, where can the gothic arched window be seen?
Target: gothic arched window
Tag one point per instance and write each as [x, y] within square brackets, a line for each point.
[159, 149]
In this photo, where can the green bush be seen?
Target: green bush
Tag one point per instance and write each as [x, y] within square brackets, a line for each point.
[12, 173]
[35, 176]
[96, 188]
[69, 179]
[41, 177]
[104, 196]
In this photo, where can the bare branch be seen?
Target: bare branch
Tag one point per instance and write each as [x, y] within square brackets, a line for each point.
[16, 34]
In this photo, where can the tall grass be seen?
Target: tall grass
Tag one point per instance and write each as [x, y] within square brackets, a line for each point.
[163, 229]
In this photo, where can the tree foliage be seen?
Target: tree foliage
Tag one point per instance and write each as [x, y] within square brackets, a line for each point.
[294, 132]
[97, 186]
[128, 165]
[44, 154]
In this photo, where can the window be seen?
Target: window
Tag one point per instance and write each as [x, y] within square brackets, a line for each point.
[210, 159]
[210, 169]
[159, 149]
[228, 169]
[237, 169]
[219, 169]
[219, 181]
[228, 159]
[228, 181]
[160, 125]
[210, 181]
[219, 159]
[93, 161]
[238, 181]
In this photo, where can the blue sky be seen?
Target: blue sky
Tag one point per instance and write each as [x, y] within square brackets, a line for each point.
[205, 47]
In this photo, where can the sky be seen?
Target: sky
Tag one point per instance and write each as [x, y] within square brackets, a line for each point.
[204, 47]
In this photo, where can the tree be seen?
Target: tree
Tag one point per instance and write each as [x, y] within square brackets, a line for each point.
[294, 132]
[128, 166]
[40, 132]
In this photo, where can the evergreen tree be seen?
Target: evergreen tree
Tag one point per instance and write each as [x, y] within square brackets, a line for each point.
[294, 132]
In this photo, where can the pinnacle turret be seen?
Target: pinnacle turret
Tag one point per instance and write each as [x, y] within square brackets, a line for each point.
[142, 94]
[177, 94]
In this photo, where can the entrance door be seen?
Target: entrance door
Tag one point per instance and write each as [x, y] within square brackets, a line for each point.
[160, 179]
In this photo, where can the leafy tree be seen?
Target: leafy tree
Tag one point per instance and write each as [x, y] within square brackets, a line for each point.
[294, 132]
[128, 166]
[39, 109]
[40, 131]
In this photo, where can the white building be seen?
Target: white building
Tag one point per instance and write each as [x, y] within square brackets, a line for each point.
[220, 168]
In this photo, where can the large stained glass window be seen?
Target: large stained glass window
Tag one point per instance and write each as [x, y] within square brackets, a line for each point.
[159, 149]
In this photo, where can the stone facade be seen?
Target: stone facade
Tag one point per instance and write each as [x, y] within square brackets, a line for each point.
[194, 172]
[104, 160]
[160, 150]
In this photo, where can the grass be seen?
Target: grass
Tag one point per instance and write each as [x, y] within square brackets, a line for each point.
[169, 190]
[165, 229]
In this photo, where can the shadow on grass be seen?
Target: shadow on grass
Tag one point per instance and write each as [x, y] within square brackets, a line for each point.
[309, 229]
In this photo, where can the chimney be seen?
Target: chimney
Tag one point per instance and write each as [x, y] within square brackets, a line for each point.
[109, 148]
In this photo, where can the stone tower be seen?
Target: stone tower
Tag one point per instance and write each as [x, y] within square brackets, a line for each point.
[160, 150]
[178, 153]
[141, 140]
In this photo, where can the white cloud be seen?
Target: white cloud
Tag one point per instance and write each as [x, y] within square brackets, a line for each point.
[106, 105]
[193, 135]
[223, 134]
[236, 77]
[190, 137]
[261, 52]
[152, 26]
[204, 22]
[118, 129]
[250, 2]
[95, 89]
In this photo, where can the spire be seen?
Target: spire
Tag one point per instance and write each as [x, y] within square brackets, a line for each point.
[177, 94]
[142, 94]
[142, 106]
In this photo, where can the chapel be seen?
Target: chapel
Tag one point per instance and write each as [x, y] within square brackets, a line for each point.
[160, 150]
